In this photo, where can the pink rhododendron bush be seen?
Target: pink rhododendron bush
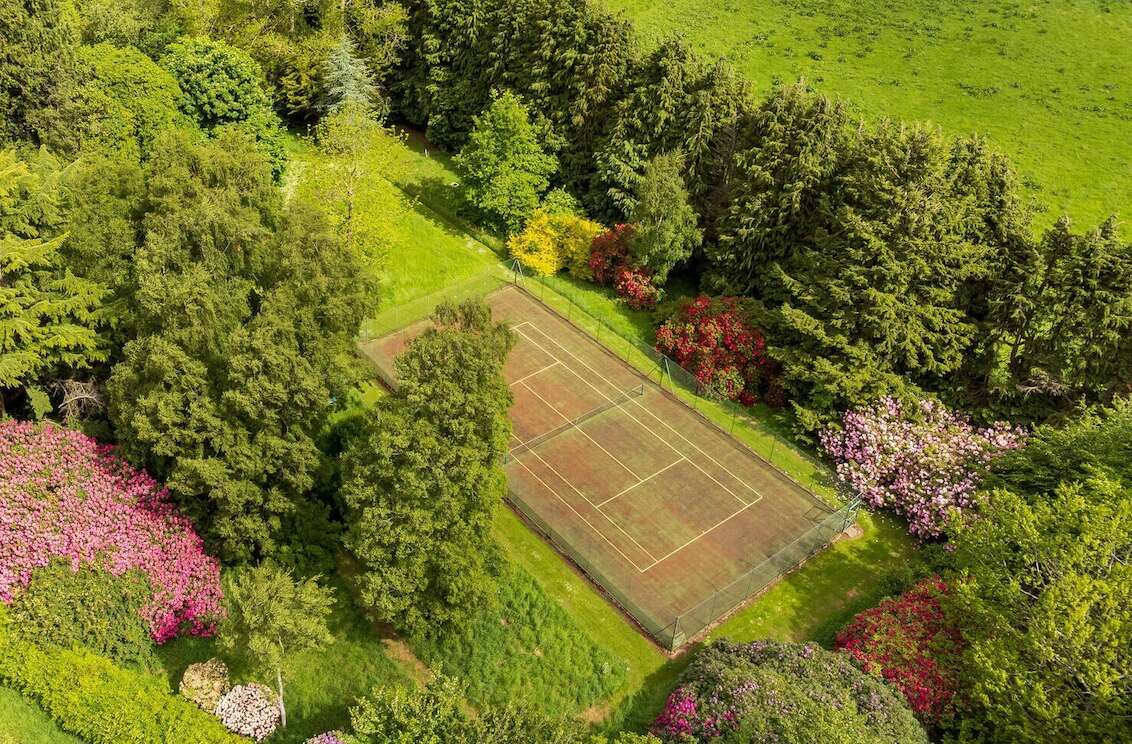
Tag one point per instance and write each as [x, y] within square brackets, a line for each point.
[62, 495]
[922, 461]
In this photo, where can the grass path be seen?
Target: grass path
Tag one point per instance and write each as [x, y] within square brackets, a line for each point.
[23, 722]
[1049, 81]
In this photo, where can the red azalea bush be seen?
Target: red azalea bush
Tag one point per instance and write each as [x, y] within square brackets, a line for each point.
[611, 263]
[909, 642]
[714, 340]
[62, 495]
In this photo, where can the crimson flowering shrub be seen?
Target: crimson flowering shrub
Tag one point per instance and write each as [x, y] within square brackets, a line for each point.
[635, 286]
[713, 339]
[922, 461]
[62, 495]
[610, 251]
[909, 642]
[782, 692]
[611, 263]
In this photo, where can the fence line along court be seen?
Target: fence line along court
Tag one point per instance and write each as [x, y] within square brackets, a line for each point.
[668, 513]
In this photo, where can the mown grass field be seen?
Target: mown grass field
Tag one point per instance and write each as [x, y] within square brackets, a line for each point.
[1049, 81]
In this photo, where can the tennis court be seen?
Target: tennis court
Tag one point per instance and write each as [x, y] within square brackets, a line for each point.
[675, 519]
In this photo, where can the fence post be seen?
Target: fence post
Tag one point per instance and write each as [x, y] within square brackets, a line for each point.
[675, 634]
[773, 446]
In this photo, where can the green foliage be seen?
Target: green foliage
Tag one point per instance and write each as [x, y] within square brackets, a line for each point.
[114, 99]
[101, 703]
[24, 722]
[242, 317]
[48, 316]
[665, 224]
[347, 81]
[222, 85]
[423, 478]
[783, 692]
[39, 41]
[503, 165]
[434, 715]
[272, 617]
[87, 607]
[1045, 602]
[526, 649]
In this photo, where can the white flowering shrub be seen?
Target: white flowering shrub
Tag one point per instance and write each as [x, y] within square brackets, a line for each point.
[250, 710]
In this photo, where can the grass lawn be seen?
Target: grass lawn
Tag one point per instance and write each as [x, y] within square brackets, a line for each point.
[319, 685]
[527, 648]
[23, 722]
[1050, 82]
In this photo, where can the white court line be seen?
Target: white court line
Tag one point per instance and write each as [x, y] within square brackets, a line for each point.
[697, 537]
[588, 523]
[646, 410]
[643, 480]
[587, 436]
[532, 374]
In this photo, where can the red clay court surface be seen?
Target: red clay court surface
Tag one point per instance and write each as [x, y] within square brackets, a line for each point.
[664, 510]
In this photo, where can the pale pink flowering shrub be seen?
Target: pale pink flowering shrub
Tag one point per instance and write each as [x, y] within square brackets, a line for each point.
[923, 462]
[62, 495]
[250, 710]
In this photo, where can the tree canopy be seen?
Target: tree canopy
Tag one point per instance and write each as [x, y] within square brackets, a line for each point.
[424, 477]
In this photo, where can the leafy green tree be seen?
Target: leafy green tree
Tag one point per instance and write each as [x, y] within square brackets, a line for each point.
[39, 39]
[382, 30]
[223, 85]
[666, 231]
[405, 715]
[272, 617]
[114, 99]
[241, 318]
[503, 166]
[1045, 601]
[49, 318]
[347, 81]
[424, 477]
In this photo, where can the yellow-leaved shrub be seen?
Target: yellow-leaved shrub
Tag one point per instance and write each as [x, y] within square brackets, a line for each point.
[553, 242]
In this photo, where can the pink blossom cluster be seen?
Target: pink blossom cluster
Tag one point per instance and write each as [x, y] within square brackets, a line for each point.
[62, 495]
[924, 462]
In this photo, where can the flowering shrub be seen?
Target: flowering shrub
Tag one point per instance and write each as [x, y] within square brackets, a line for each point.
[922, 461]
[330, 737]
[714, 340]
[64, 496]
[908, 641]
[609, 251]
[205, 683]
[773, 691]
[636, 287]
[250, 710]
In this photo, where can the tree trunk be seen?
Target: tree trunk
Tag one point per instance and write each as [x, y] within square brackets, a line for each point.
[282, 709]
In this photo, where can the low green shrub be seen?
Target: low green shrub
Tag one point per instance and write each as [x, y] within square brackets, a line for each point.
[87, 607]
[98, 701]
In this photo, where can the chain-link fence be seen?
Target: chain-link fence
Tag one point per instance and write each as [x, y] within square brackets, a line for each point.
[558, 295]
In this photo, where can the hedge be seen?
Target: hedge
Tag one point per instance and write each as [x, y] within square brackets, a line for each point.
[89, 696]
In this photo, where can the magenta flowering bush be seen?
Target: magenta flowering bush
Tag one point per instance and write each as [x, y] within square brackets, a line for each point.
[62, 495]
[923, 462]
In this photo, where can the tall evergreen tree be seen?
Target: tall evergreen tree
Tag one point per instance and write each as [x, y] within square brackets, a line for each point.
[425, 476]
[347, 81]
[49, 318]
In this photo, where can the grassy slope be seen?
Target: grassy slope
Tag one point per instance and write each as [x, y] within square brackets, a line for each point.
[1049, 81]
[22, 722]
